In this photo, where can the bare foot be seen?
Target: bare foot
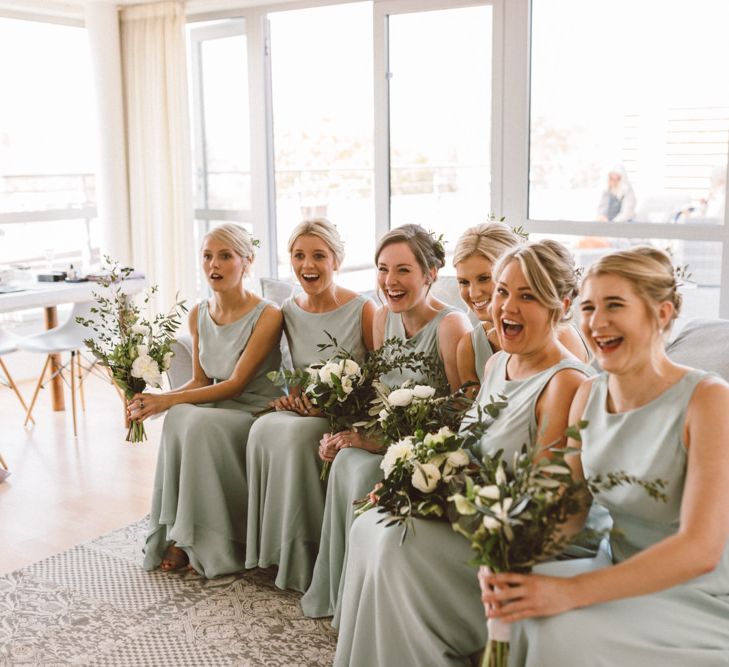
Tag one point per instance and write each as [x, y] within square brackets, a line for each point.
[174, 559]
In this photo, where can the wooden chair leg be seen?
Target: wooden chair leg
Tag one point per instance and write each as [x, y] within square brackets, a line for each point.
[80, 367]
[29, 414]
[2, 463]
[74, 363]
[14, 387]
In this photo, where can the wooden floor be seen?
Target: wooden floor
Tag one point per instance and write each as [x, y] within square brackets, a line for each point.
[64, 491]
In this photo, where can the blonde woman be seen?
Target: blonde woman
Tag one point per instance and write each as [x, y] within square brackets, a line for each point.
[419, 603]
[664, 598]
[198, 506]
[475, 255]
[285, 494]
[408, 259]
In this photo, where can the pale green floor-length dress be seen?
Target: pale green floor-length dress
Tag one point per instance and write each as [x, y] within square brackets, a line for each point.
[420, 603]
[285, 494]
[683, 626]
[353, 474]
[200, 494]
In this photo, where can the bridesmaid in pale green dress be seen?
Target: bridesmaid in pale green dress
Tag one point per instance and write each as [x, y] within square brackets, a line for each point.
[664, 598]
[419, 603]
[285, 492]
[198, 514]
[475, 254]
[408, 259]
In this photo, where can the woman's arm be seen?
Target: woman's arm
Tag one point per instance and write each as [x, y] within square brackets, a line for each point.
[378, 327]
[198, 379]
[368, 319]
[694, 550]
[466, 363]
[451, 330]
[266, 334]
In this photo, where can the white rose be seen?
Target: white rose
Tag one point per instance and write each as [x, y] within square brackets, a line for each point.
[350, 367]
[402, 450]
[142, 350]
[463, 505]
[347, 385]
[142, 329]
[400, 398]
[167, 360]
[432, 439]
[147, 369]
[326, 372]
[458, 459]
[423, 391]
[426, 477]
[490, 492]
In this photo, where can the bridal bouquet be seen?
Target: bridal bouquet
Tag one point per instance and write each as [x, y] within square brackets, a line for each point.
[133, 349]
[417, 471]
[342, 389]
[515, 516]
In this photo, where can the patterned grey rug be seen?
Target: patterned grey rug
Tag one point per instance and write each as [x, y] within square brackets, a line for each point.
[95, 605]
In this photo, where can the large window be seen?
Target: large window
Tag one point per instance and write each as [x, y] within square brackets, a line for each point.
[439, 72]
[321, 81]
[47, 146]
[629, 113]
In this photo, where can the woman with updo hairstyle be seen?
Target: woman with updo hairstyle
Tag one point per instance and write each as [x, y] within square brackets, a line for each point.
[407, 260]
[419, 602]
[659, 595]
[198, 515]
[475, 255]
[285, 492]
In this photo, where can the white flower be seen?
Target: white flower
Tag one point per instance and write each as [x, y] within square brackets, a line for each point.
[402, 450]
[350, 367]
[142, 350]
[423, 391]
[432, 439]
[142, 329]
[326, 372]
[400, 397]
[384, 414]
[463, 505]
[347, 385]
[491, 524]
[167, 360]
[426, 477]
[457, 459]
[146, 368]
[490, 492]
[500, 475]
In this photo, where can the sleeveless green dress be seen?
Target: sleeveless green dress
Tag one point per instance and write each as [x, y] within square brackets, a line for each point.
[419, 603]
[285, 494]
[200, 494]
[482, 349]
[353, 474]
[683, 626]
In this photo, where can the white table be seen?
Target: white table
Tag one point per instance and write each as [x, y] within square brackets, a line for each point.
[50, 295]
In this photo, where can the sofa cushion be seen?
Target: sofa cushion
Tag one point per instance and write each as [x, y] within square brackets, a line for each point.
[702, 343]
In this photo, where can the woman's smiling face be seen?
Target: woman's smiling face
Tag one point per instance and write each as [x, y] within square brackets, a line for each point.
[522, 323]
[401, 278]
[313, 263]
[475, 285]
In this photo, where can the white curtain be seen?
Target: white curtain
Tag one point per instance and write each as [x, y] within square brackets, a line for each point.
[158, 144]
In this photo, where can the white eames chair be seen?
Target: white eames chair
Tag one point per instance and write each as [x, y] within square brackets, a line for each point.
[9, 344]
[66, 338]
